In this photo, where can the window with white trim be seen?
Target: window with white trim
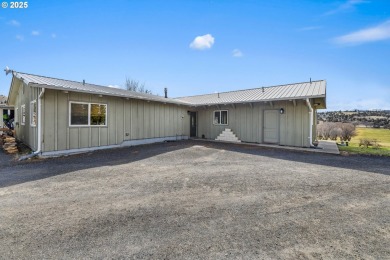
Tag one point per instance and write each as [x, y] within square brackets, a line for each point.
[33, 113]
[23, 114]
[220, 117]
[87, 114]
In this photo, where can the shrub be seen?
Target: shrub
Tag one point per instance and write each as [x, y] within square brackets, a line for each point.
[369, 142]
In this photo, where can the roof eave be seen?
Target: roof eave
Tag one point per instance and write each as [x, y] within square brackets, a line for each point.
[258, 101]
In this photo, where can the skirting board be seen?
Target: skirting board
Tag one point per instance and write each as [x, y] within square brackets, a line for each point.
[124, 144]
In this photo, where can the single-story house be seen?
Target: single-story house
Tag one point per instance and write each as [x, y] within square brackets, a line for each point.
[55, 116]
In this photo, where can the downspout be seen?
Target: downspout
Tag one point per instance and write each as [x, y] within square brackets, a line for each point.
[311, 123]
[40, 121]
[39, 128]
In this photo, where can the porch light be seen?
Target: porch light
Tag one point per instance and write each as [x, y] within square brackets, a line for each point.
[281, 111]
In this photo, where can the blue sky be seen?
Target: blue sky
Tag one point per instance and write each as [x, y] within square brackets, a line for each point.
[197, 47]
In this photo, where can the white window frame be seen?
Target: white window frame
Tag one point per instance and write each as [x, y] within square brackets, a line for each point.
[220, 116]
[89, 113]
[23, 117]
[16, 115]
[32, 103]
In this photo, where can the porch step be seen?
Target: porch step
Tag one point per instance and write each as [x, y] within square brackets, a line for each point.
[228, 135]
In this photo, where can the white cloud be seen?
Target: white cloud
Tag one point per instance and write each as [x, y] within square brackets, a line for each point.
[35, 33]
[114, 86]
[372, 34]
[309, 28]
[237, 53]
[14, 23]
[53, 35]
[202, 42]
[349, 5]
[19, 38]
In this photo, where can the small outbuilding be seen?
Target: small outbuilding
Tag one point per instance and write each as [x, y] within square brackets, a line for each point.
[6, 112]
[56, 116]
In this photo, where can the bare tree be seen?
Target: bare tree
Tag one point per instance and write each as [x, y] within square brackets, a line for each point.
[348, 131]
[319, 129]
[135, 85]
[344, 131]
[334, 133]
[323, 130]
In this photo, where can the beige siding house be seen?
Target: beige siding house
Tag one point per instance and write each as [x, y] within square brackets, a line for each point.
[55, 116]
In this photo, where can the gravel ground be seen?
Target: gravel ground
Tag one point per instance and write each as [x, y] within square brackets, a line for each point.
[196, 200]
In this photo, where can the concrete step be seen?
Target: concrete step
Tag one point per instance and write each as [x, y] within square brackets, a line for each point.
[228, 135]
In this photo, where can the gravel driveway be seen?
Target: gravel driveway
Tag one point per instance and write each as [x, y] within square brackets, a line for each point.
[196, 200]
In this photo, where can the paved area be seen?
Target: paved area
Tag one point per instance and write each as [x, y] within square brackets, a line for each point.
[328, 147]
[5, 159]
[196, 200]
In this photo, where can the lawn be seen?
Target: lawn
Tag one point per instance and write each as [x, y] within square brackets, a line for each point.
[381, 135]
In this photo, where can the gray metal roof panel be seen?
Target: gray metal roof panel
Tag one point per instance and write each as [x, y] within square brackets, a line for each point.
[281, 92]
[61, 84]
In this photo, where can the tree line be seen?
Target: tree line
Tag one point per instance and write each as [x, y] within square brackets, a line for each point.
[332, 131]
[367, 118]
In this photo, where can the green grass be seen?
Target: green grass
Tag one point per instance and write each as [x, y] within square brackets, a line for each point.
[381, 135]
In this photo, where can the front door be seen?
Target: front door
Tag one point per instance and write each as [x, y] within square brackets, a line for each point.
[192, 124]
[271, 126]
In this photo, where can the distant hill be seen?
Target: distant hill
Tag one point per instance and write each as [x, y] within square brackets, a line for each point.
[362, 118]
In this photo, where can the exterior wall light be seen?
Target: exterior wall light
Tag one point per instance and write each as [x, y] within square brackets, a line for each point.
[281, 111]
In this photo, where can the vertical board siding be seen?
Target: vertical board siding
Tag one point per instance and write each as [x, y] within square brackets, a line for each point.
[26, 133]
[134, 118]
[247, 122]
[140, 119]
[50, 127]
[111, 111]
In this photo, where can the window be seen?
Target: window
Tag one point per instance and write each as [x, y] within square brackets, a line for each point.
[79, 114]
[33, 113]
[220, 117]
[88, 114]
[98, 114]
[23, 108]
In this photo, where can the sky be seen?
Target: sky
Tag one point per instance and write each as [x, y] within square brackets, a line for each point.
[200, 47]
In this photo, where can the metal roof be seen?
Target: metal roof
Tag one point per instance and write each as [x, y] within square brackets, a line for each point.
[68, 85]
[313, 89]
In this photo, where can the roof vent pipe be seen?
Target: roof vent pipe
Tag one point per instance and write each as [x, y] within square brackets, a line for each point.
[166, 92]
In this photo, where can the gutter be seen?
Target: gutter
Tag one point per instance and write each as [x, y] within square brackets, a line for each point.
[311, 123]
